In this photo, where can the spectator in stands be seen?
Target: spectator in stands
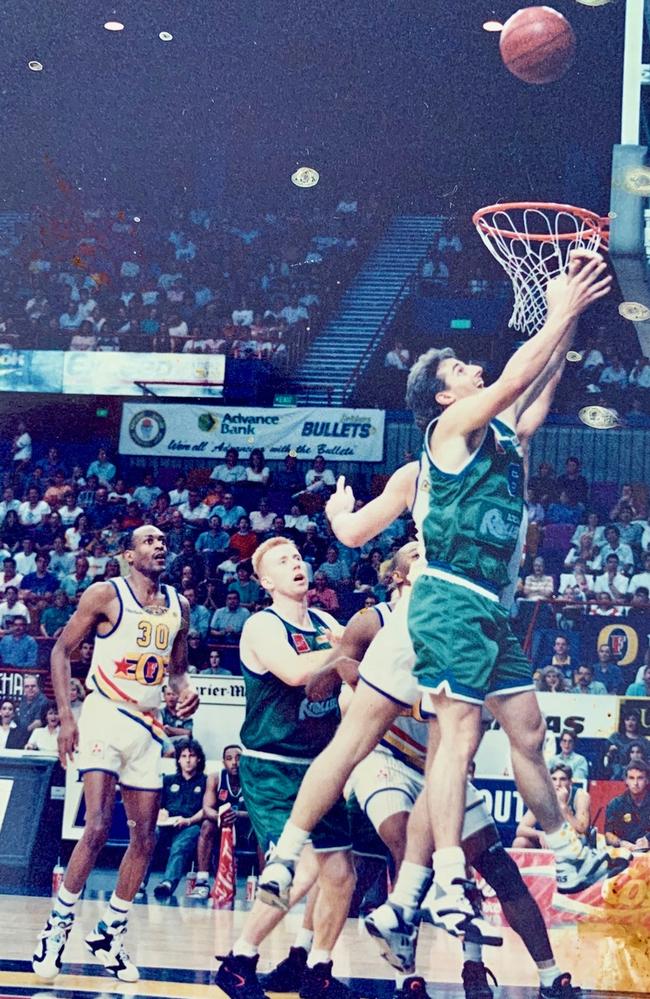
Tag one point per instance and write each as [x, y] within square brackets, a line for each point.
[10, 608]
[296, 521]
[12, 735]
[25, 559]
[86, 494]
[585, 683]
[51, 464]
[288, 478]
[33, 509]
[334, 568]
[569, 758]
[186, 557]
[12, 531]
[560, 656]
[614, 374]
[175, 727]
[199, 614]
[399, 357]
[535, 509]
[55, 492]
[31, 703]
[74, 584]
[97, 559]
[551, 680]
[627, 817]
[641, 578]
[574, 483]
[579, 581]
[212, 543]
[564, 511]
[79, 535]
[9, 575]
[575, 805]
[9, 502]
[179, 494]
[54, 619]
[83, 663]
[642, 689]
[607, 672]
[21, 447]
[593, 362]
[119, 495]
[257, 469]
[630, 532]
[177, 533]
[640, 374]
[229, 511]
[113, 569]
[194, 512]
[104, 469]
[637, 415]
[629, 731]
[229, 470]
[538, 586]
[39, 587]
[197, 651]
[321, 595]
[146, 493]
[611, 581]
[262, 519]
[69, 509]
[227, 622]
[636, 752]
[244, 541]
[248, 589]
[18, 648]
[544, 483]
[614, 546]
[45, 738]
[181, 813]
[77, 696]
[61, 561]
[319, 479]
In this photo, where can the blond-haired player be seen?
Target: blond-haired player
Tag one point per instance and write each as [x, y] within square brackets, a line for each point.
[281, 647]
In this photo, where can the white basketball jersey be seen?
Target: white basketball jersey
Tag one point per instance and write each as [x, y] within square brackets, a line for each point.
[130, 663]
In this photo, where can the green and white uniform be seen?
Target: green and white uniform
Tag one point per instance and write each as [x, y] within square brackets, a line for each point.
[282, 733]
[470, 523]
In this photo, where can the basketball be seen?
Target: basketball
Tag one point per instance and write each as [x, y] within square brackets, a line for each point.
[537, 45]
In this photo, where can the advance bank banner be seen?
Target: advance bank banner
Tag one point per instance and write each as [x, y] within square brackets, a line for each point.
[203, 431]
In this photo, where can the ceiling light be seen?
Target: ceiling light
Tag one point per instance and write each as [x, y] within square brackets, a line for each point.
[136, 218]
[114, 26]
[35, 65]
[492, 26]
[165, 36]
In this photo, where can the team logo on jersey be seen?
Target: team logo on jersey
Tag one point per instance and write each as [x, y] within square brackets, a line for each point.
[300, 643]
[322, 640]
[156, 609]
[223, 795]
[514, 474]
[147, 669]
[97, 749]
[317, 709]
[147, 428]
[498, 526]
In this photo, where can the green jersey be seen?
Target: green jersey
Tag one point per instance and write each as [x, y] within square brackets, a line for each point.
[469, 521]
[279, 720]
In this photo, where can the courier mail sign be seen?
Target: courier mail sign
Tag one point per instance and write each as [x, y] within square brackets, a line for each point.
[191, 431]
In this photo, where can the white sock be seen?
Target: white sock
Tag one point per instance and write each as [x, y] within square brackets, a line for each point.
[202, 875]
[304, 939]
[400, 978]
[117, 910]
[448, 864]
[548, 972]
[292, 839]
[65, 902]
[472, 952]
[409, 887]
[242, 948]
[564, 841]
[318, 957]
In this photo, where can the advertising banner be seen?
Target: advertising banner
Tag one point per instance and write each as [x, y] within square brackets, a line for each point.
[31, 370]
[628, 641]
[204, 431]
[116, 373]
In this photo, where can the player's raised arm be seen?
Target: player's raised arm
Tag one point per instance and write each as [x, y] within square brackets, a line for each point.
[568, 295]
[344, 658]
[263, 645]
[354, 527]
[91, 609]
[188, 699]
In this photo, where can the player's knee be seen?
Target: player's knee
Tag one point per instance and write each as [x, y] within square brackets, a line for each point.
[529, 739]
[337, 872]
[501, 873]
[96, 829]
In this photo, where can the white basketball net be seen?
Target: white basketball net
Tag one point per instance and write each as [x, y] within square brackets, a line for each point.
[509, 233]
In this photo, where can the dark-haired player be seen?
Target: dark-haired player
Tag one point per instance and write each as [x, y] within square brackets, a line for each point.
[140, 628]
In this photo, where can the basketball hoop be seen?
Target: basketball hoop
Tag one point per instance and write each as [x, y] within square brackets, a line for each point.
[532, 242]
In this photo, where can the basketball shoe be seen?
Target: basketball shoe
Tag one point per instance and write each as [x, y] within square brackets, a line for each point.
[396, 936]
[106, 943]
[318, 982]
[46, 962]
[475, 980]
[560, 989]
[459, 913]
[412, 988]
[275, 883]
[237, 977]
[287, 976]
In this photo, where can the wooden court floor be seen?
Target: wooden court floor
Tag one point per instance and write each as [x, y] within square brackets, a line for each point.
[175, 945]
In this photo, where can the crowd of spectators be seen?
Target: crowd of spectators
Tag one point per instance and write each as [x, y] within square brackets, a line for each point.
[200, 282]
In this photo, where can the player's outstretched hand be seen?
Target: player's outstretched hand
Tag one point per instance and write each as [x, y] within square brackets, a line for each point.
[67, 740]
[188, 702]
[585, 280]
[341, 500]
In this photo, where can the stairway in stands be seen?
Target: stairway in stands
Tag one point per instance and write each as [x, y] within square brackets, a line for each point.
[339, 354]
